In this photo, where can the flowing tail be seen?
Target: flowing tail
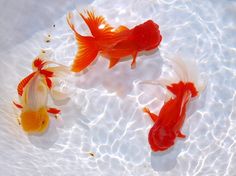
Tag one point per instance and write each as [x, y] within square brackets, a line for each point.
[178, 88]
[88, 47]
[98, 26]
[187, 77]
[184, 77]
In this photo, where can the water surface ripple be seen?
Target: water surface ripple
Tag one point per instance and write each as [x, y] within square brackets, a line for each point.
[102, 130]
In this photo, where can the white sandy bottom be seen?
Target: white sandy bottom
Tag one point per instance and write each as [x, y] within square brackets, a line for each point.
[104, 116]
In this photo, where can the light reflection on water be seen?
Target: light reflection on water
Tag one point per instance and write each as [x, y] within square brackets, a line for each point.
[104, 114]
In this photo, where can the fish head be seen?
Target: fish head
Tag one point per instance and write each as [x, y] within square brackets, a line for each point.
[147, 35]
[34, 121]
[161, 138]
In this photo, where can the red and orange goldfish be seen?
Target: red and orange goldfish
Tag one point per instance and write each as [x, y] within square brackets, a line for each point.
[167, 125]
[33, 93]
[112, 43]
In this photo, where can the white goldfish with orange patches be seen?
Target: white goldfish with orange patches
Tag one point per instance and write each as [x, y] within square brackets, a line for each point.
[33, 93]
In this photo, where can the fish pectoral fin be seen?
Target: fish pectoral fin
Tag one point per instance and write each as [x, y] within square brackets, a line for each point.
[53, 111]
[113, 62]
[18, 105]
[153, 116]
[180, 135]
[133, 64]
[58, 96]
[121, 29]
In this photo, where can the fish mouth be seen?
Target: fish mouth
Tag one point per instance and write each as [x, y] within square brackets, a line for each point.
[156, 26]
[161, 138]
[158, 148]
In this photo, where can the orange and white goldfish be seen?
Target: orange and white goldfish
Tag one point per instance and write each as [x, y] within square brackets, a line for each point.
[167, 125]
[33, 93]
[112, 43]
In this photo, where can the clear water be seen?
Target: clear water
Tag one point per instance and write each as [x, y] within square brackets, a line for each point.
[104, 114]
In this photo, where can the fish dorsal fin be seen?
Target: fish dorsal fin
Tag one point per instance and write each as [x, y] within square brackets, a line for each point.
[35, 94]
[98, 25]
[23, 83]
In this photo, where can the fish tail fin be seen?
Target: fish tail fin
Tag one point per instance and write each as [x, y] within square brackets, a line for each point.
[97, 25]
[87, 50]
[189, 86]
[177, 88]
[186, 76]
[86, 53]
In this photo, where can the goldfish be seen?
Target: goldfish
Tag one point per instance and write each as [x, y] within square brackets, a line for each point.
[33, 93]
[168, 123]
[112, 43]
